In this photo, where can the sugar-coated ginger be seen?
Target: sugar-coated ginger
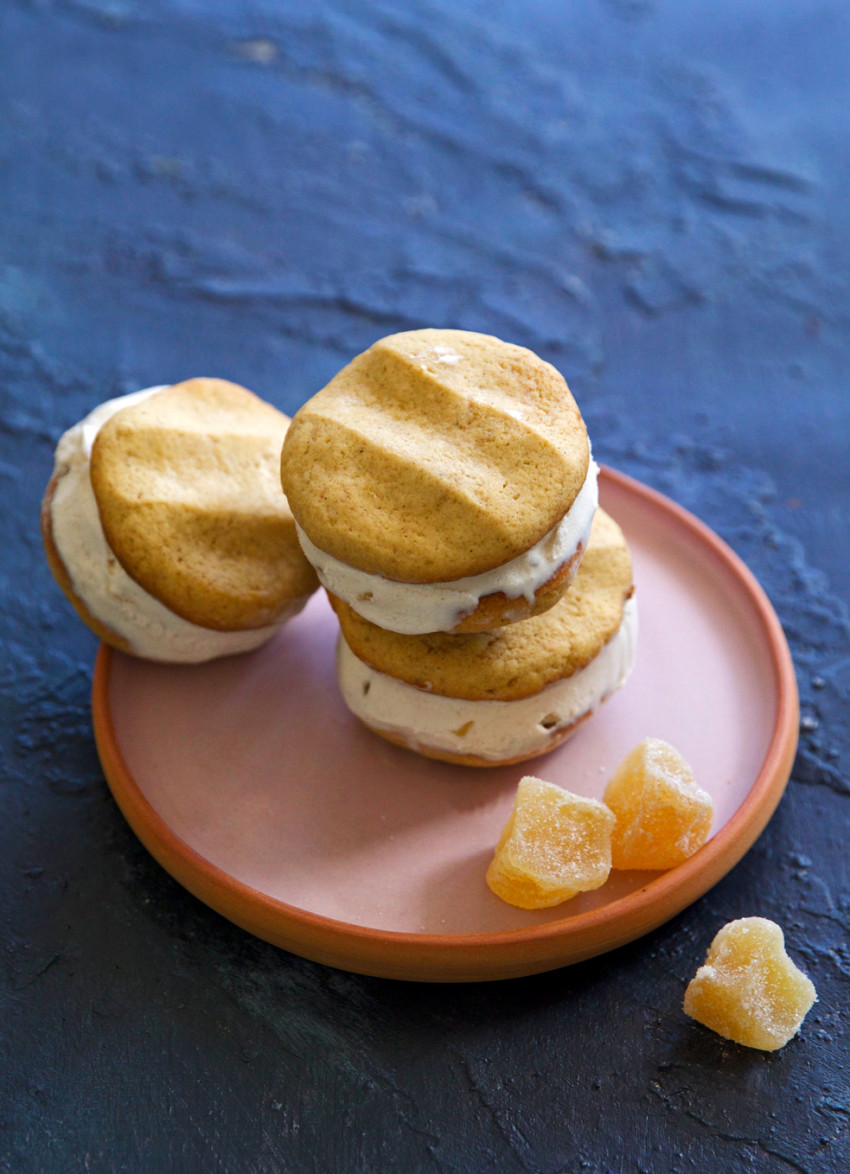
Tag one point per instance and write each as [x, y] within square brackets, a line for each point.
[749, 990]
[663, 817]
[554, 845]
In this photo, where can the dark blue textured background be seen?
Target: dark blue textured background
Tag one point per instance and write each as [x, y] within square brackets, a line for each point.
[651, 195]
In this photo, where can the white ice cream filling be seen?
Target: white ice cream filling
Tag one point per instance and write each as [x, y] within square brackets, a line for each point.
[109, 594]
[416, 608]
[497, 730]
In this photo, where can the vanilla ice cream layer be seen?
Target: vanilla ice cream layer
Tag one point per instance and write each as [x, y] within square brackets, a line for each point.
[497, 730]
[151, 629]
[417, 608]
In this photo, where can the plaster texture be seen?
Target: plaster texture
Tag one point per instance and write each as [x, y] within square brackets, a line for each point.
[652, 196]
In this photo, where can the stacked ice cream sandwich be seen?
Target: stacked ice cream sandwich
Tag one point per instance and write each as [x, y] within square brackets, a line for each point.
[443, 488]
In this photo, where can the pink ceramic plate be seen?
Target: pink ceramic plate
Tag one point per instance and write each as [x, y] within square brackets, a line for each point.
[252, 785]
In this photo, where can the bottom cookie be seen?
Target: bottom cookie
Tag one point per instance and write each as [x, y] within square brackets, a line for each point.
[473, 759]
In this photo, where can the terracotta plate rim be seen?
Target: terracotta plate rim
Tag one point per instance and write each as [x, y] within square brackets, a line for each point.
[493, 954]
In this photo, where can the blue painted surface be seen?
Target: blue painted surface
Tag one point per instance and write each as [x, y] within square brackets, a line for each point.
[653, 197]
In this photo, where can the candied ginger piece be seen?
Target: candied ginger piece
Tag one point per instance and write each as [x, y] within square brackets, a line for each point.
[663, 817]
[749, 990]
[554, 845]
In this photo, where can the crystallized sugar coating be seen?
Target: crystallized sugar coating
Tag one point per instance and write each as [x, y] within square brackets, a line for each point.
[749, 990]
[435, 455]
[554, 845]
[663, 817]
[515, 661]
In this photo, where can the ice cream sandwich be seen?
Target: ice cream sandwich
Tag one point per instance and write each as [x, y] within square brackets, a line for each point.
[491, 698]
[442, 481]
[165, 524]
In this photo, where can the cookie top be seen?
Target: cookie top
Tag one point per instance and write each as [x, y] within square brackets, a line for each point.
[435, 455]
[519, 660]
[188, 492]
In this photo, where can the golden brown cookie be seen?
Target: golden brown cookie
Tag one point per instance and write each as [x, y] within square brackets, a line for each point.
[434, 458]
[165, 525]
[500, 696]
[190, 504]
